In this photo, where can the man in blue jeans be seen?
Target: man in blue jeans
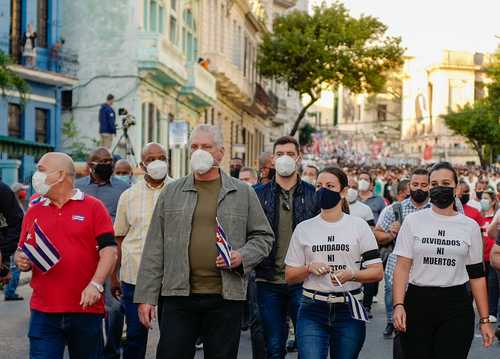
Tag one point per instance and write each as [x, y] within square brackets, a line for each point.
[287, 201]
[108, 188]
[67, 242]
[133, 216]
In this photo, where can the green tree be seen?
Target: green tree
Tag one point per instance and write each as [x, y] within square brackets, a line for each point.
[9, 80]
[480, 123]
[327, 49]
[305, 134]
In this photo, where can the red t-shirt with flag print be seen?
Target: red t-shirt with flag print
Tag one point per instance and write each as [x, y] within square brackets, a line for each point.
[63, 243]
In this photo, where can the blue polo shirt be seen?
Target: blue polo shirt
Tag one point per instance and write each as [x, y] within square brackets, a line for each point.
[109, 193]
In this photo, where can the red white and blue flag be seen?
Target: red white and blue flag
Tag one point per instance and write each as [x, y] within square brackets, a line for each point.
[223, 246]
[40, 249]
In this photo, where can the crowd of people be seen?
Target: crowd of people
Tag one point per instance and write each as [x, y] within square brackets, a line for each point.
[285, 247]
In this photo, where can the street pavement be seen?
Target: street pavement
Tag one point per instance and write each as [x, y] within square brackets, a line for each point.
[14, 318]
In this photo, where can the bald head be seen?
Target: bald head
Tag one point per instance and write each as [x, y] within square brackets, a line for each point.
[100, 154]
[123, 168]
[57, 161]
[153, 151]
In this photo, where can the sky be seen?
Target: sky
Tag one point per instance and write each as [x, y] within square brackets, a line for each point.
[429, 26]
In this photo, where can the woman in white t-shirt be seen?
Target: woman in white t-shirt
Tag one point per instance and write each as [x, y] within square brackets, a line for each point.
[439, 251]
[332, 254]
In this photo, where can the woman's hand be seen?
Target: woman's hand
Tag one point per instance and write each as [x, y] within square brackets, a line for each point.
[399, 318]
[487, 333]
[342, 276]
[318, 268]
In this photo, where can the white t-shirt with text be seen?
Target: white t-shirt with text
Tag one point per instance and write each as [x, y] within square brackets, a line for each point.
[440, 246]
[343, 245]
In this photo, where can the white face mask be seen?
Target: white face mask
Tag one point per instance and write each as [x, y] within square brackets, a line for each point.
[309, 180]
[285, 166]
[352, 195]
[363, 185]
[39, 184]
[201, 161]
[157, 169]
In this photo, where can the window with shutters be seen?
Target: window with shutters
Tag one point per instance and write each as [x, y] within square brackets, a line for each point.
[43, 22]
[41, 125]
[15, 126]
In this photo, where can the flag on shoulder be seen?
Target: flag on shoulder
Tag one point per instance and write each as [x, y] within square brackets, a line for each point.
[40, 249]
[223, 246]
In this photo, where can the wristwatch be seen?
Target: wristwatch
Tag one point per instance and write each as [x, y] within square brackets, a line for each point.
[98, 286]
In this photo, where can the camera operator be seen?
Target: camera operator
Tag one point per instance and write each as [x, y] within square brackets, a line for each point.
[107, 122]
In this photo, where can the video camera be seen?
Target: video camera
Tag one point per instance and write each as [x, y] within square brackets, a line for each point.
[128, 120]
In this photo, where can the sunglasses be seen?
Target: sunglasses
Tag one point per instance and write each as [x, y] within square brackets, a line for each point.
[286, 201]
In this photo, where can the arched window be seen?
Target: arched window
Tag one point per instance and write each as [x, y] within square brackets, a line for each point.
[189, 40]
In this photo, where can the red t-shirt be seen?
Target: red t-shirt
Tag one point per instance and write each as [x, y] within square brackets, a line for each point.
[474, 214]
[73, 230]
[488, 242]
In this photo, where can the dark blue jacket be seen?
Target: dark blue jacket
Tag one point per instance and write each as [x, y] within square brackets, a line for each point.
[304, 207]
[11, 218]
[107, 123]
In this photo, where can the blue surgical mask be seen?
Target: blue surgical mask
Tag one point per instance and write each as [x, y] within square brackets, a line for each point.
[124, 178]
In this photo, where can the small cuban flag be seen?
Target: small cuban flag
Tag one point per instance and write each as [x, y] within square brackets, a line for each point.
[40, 249]
[223, 246]
[356, 309]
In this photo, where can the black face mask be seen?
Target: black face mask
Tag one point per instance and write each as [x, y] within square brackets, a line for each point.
[103, 171]
[465, 198]
[327, 199]
[235, 172]
[442, 197]
[419, 196]
[479, 195]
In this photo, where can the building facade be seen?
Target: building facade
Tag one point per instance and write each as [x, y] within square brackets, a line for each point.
[32, 127]
[430, 92]
[173, 64]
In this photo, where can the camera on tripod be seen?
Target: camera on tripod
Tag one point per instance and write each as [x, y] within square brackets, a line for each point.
[127, 119]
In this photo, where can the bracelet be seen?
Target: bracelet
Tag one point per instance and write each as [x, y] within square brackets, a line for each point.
[353, 279]
[397, 304]
[485, 320]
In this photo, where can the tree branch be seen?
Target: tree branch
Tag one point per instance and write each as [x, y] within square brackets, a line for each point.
[301, 115]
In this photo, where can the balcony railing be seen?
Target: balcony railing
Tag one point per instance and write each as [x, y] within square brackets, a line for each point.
[16, 147]
[230, 79]
[201, 86]
[156, 53]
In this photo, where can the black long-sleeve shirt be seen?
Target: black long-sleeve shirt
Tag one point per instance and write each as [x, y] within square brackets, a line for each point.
[11, 218]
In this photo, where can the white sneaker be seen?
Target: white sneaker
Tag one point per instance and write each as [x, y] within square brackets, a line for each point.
[492, 319]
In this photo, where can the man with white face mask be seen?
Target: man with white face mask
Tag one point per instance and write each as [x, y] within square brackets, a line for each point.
[135, 209]
[287, 201]
[67, 242]
[356, 207]
[207, 233]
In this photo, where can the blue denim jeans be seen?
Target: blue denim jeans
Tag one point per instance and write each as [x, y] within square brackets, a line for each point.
[277, 302]
[323, 327]
[137, 334]
[10, 289]
[113, 323]
[49, 334]
[388, 296]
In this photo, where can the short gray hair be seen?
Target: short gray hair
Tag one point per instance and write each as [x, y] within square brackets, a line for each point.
[213, 130]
